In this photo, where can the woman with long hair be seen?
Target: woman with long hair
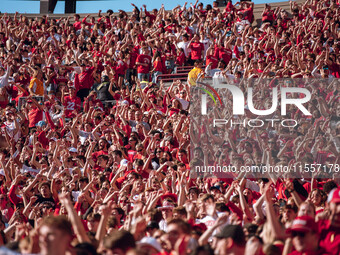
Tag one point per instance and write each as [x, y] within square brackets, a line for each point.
[157, 66]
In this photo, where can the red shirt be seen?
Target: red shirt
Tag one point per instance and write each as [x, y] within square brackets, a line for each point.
[335, 70]
[146, 59]
[213, 60]
[121, 67]
[133, 57]
[84, 80]
[180, 59]
[329, 237]
[224, 53]
[196, 50]
[268, 15]
[319, 252]
[96, 154]
[158, 66]
[34, 116]
[71, 104]
[77, 25]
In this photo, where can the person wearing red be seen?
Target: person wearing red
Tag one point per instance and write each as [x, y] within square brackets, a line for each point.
[305, 237]
[180, 59]
[131, 62]
[77, 22]
[102, 149]
[197, 49]
[157, 66]
[330, 229]
[248, 11]
[71, 102]
[35, 113]
[143, 63]
[152, 15]
[84, 81]
[121, 68]
[268, 14]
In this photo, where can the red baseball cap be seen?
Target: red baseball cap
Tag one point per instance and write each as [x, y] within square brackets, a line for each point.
[334, 196]
[303, 224]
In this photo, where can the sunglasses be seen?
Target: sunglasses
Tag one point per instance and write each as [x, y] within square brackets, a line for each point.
[299, 234]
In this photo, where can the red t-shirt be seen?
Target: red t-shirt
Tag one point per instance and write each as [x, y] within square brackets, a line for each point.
[84, 80]
[224, 53]
[96, 154]
[335, 70]
[158, 66]
[196, 50]
[34, 116]
[180, 59]
[213, 60]
[133, 57]
[268, 16]
[77, 25]
[121, 67]
[146, 59]
[329, 237]
[43, 139]
[71, 104]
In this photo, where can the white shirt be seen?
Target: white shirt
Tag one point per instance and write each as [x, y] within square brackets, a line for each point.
[184, 46]
[184, 103]
[163, 226]
[4, 78]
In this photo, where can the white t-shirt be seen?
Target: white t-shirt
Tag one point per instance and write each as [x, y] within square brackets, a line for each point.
[184, 46]
[184, 103]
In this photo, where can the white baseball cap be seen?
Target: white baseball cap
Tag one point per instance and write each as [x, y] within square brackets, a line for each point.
[152, 242]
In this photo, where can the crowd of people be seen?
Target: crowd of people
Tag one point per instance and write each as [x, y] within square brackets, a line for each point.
[97, 156]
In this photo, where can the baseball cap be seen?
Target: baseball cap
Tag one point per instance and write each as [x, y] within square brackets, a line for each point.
[334, 196]
[166, 206]
[152, 242]
[200, 227]
[172, 196]
[303, 224]
[41, 123]
[72, 149]
[235, 232]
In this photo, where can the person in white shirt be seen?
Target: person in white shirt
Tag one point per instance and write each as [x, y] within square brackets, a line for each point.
[167, 214]
[4, 75]
[184, 45]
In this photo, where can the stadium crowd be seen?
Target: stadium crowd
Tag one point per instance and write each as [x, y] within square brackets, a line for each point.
[96, 152]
